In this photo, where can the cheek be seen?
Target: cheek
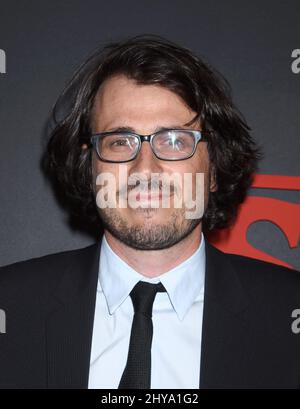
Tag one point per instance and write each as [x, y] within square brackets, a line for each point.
[200, 165]
[203, 157]
[95, 168]
[109, 174]
[100, 167]
[199, 162]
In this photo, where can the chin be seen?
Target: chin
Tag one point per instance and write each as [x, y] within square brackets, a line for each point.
[151, 213]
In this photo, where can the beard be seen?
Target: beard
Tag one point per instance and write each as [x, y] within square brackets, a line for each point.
[148, 235]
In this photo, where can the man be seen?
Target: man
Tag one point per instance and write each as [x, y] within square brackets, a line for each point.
[152, 304]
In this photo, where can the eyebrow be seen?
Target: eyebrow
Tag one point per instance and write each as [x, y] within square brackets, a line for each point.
[130, 129]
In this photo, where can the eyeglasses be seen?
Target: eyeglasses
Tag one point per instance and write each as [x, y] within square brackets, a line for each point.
[167, 144]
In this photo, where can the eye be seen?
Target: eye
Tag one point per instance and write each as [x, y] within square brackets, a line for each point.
[117, 142]
[120, 142]
[176, 143]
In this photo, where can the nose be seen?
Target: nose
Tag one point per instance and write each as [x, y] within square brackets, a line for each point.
[146, 161]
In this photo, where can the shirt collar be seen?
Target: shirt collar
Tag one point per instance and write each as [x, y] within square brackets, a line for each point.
[117, 278]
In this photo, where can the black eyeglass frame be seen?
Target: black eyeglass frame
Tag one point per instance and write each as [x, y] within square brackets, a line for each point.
[199, 135]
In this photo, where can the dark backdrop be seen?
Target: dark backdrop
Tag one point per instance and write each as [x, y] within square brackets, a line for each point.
[250, 42]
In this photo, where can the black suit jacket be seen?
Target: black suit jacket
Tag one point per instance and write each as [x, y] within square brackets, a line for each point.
[247, 340]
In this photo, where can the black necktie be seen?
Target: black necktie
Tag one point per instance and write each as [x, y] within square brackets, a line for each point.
[137, 372]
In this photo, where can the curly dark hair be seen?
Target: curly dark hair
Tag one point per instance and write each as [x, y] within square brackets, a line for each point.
[151, 59]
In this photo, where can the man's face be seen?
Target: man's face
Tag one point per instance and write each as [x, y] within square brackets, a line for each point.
[121, 102]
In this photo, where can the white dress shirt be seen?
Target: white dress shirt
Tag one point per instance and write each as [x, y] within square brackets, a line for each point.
[177, 322]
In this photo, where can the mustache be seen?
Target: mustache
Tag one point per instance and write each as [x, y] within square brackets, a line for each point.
[142, 185]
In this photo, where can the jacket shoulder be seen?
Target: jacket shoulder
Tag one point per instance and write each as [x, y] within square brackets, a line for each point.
[40, 273]
[249, 264]
[262, 277]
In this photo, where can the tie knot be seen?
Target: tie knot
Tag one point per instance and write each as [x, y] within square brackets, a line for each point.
[143, 295]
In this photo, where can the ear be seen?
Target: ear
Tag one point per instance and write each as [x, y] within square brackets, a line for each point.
[84, 146]
[213, 187]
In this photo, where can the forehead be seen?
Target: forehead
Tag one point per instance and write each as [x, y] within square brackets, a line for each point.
[122, 99]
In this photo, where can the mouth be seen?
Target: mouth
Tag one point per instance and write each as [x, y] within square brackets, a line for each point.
[149, 196]
[142, 196]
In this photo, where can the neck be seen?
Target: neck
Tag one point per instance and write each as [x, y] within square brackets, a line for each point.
[152, 263]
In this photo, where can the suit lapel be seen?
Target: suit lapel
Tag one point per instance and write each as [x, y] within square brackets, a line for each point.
[224, 331]
[69, 324]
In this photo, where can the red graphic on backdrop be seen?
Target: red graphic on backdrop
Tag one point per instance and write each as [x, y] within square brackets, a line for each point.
[283, 214]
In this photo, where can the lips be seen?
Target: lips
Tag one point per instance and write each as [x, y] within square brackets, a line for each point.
[142, 196]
